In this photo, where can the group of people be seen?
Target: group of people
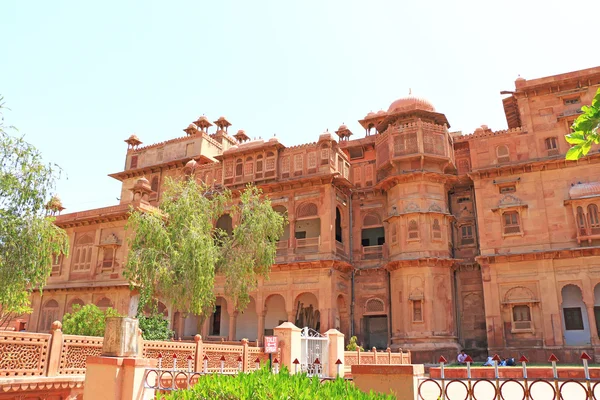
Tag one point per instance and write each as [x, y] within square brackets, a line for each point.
[504, 362]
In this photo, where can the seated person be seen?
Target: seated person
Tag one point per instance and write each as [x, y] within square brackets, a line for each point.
[461, 357]
[510, 362]
[489, 362]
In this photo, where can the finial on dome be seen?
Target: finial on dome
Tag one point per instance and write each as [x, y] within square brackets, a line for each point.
[409, 91]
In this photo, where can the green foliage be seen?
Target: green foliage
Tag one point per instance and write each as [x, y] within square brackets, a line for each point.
[28, 237]
[352, 345]
[88, 320]
[262, 385]
[176, 250]
[154, 327]
[585, 130]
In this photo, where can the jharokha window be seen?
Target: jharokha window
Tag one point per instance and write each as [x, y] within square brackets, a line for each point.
[466, 235]
[511, 222]
[56, 264]
[413, 230]
[437, 229]
[82, 254]
[502, 154]
[521, 318]
[593, 219]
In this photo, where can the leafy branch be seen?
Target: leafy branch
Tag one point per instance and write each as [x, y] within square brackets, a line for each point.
[585, 130]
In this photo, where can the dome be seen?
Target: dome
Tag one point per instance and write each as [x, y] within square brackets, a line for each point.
[143, 181]
[370, 114]
[192, 126]
[411, 103]
[274, 139]
[134, 137]
[342, 127]
[581, 190]
[190, 165]
[380, 112]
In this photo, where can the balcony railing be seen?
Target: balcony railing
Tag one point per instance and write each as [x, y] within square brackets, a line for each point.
[282, 247]
[308, 244]
[372, 252]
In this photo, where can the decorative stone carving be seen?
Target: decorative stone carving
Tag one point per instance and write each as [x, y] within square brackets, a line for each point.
[509, 200]
[435, 207]
[411, 207]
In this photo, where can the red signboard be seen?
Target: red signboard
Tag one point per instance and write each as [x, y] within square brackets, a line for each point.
[270, 344]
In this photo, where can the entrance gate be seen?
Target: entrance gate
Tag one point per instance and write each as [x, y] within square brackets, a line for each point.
[314, 355]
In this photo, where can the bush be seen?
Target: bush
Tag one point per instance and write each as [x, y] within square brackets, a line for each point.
[87, 320]
[154, 327]
[353, 346]
[262, 385]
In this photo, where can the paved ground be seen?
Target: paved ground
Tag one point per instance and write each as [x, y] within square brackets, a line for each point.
[511, 390]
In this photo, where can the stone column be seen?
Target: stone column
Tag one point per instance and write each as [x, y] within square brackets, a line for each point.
[261, 328]
[292, 317]
[56, 343]
[290, 344]
[336, 351]
[232, 320]
[592, 324]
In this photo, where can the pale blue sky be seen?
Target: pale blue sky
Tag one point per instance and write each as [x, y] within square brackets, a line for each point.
[81, 76]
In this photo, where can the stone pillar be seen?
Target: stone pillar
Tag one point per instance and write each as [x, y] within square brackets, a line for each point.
[116, 378]
[119, 372]
[593, 326]
[336, 351]
[389, 379]
[56, 343]
[232, 320]
[290, 344]
[261, 329]
[199, 355]
[292, 317]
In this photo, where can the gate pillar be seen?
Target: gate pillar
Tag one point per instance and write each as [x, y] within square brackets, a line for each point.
[290, 345]
[336, 351]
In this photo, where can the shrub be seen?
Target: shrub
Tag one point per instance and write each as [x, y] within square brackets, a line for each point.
[154, 327]
[262, 385]
[353, 346]
[88, 320]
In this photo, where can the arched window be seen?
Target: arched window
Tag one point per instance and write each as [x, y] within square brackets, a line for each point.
[437, 229]
[249, 167]
[239, 167]
[307, 210]
[394, 233]
[413, 230]
[502, 154]
[371, 220]
[259, 163]
[49, 315]
[374, 306]
[104, 303]
[82, 254]
[338, 225]
[521, 317]
[592, 210]
[154, 185]
[324, 155]
[581, 222]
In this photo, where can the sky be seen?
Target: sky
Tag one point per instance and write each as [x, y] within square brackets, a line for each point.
[79, 77]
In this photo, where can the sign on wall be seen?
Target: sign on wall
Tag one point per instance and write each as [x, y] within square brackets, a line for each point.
[270, 344]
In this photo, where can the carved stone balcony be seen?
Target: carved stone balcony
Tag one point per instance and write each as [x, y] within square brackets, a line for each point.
[308, 245]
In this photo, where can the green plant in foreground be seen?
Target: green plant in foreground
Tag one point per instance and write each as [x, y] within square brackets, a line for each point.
[353, 346]
[263, 385]
[88, 320]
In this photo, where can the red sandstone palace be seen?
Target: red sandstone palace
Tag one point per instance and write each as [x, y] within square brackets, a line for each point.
[413, 236]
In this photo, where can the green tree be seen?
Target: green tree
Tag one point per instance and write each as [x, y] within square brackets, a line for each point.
[176, 250]
[28, 237]
[353, 345]
[154, 327]
[88, 320]
[586, 130]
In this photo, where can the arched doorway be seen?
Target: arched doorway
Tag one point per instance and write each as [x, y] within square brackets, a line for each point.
[275, 313]
[338, 226]
[575, 322]
[247, 322]
[49, 315]
[219, 321]
[307, 313]
[225, 223]
[597, 307]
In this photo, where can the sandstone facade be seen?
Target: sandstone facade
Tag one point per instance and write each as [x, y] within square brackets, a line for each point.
[412, 237]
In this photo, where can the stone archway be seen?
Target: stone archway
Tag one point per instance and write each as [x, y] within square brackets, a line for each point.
[275, 313]
[219, 320]
[307, 313]
[342, 322]
[575, 324]
[246, 326]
